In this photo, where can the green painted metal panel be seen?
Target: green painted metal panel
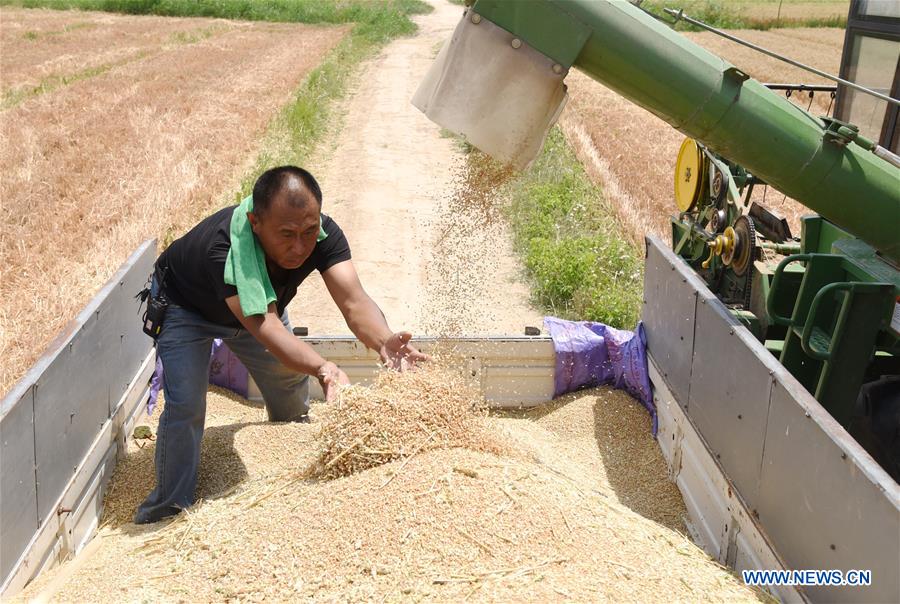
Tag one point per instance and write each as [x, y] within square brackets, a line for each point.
[548, 29]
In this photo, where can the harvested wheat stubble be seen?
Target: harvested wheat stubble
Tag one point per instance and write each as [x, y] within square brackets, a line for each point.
[793, 11]
[144, 150]
[38, 44]
[632, 153]
[537, 524]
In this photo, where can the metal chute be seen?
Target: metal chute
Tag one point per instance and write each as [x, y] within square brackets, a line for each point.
[495, 90]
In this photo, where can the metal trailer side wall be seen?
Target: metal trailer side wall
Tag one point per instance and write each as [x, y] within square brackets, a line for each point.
[511, 371]
[820, 499]
[61, 425]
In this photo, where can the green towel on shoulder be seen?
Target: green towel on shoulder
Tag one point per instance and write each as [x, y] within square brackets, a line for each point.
[245, 265]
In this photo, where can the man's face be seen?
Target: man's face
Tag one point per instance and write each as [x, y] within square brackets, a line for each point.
[287, 233]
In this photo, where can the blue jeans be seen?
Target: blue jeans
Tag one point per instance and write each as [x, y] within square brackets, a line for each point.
[184, 348]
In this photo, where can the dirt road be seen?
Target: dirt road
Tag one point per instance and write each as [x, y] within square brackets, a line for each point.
[394, 184]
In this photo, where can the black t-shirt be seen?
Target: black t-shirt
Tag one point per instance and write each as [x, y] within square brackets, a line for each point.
[195, 267]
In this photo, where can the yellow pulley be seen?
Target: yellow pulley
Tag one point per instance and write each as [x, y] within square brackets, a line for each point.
[690, 175]
[723, 245]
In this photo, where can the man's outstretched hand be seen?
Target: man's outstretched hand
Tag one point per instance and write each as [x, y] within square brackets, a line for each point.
[331, 378]
[398, 353]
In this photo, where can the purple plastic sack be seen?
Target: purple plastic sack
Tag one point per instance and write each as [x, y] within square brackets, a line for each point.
[156, 384]
[592, 354]
[225, 370]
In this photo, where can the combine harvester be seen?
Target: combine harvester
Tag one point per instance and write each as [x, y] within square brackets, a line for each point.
[775, 360]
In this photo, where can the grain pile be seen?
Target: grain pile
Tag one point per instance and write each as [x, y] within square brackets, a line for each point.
[239, 446]
[632, 153]
[602, 440]
[398, 417]
[552, 521]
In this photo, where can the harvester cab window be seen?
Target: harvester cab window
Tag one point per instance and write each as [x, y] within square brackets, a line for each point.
[873, 64]
[879, 8]
[872, 58]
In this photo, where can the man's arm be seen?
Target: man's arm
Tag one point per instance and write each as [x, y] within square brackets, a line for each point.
[365, 319]
[293, 353]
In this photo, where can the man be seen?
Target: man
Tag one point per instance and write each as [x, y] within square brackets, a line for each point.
[232, 277]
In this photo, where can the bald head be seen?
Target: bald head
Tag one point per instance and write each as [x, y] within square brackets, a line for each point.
[294, 186]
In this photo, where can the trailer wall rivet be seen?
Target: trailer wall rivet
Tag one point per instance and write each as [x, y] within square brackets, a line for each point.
[476, 18]
[557, 68]
[516, 43]
[843, 456]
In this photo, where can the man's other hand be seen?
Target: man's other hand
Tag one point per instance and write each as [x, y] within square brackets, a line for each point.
[398, 353]
[331, 378]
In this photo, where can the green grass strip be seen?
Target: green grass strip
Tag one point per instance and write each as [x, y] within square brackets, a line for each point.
[580, 265]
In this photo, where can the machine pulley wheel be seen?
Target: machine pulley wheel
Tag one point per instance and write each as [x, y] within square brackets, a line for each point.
[718, 221]
[718, 186]
[744, 245]
[690, 175]
[729, 245]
